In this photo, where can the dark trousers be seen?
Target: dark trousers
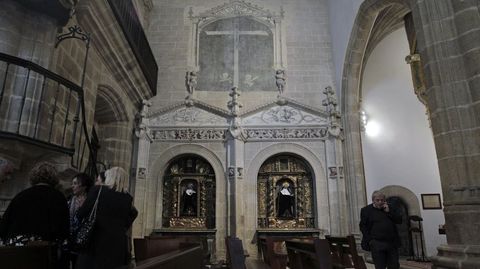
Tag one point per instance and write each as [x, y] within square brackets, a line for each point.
[384, 255]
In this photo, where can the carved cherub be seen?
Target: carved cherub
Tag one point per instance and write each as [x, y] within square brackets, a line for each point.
[191, 81]
[280, 80]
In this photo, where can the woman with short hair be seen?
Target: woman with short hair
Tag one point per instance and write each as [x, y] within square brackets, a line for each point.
[39, 213]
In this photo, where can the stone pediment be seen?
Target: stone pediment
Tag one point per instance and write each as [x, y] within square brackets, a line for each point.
[285, 113]
[191, 113]
[237, 8]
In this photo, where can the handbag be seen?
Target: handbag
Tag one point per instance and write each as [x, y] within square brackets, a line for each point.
[85, 230]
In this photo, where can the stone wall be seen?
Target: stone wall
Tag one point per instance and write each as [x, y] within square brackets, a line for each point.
[305, 36]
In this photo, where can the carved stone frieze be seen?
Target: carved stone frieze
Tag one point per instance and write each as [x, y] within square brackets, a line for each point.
[238, 8]
[284, 115]
[188, 116]
[189, 134]
[287, 133]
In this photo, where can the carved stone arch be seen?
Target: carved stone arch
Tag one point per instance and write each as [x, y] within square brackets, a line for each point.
[109, 106]
[111, 128]
[321, 194]
[358, 48]
[158, 166]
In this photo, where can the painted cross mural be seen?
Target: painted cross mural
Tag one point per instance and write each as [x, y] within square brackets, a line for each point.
[236, 52]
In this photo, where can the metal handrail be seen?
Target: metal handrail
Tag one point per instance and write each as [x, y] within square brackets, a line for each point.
[46, 110]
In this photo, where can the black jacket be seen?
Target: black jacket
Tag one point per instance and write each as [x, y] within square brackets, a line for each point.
[115, 215]
[379, 225]
[39, 211]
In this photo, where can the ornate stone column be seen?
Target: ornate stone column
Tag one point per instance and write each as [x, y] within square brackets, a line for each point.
[141, 147]
[334, 163]
[448, 39]
[235, 144]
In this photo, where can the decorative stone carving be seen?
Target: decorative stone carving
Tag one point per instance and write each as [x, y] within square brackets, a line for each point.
[142, 130]
[189, 134]
[284, 115]
[280, 80]
[188, 116]
[191, 82]
[234, 105]
[330, 102]
[239, 8]
[284, 133]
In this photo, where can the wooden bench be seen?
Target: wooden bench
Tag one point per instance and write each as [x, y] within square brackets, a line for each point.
[309, 254]
[189, 257]
[344, 252]
[153, 246]
[235, 253]
[273, 250]
[28, 257]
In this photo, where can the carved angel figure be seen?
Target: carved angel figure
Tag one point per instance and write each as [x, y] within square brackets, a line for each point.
[280, 80]
[191, 80]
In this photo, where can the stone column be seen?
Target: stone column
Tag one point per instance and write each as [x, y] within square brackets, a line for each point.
[141, 153]
[334, 163]
[449, 41]
[235, 145]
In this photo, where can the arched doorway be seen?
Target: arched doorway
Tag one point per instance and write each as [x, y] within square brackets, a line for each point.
[403, 228]
[285, 193]
[189, 193]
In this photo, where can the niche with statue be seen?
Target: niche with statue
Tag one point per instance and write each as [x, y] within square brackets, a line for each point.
[285, 193]
[189, 194]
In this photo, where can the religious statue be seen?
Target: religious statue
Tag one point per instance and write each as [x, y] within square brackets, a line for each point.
[191, 81]
[189, 201]
[285, 201]
[280, 80]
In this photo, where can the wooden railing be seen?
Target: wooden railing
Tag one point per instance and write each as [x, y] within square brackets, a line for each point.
[42, 108]
[132, 28]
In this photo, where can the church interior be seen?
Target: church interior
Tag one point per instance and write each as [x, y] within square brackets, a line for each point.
[255, 120]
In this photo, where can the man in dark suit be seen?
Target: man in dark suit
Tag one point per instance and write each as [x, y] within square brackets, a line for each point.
[380, 236]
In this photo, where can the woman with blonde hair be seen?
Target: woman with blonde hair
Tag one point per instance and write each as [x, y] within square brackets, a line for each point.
[115, 214]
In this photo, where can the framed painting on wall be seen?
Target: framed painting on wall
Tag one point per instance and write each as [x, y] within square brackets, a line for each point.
[431, 201]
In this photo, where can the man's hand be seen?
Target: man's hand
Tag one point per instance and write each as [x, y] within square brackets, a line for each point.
[386, 208]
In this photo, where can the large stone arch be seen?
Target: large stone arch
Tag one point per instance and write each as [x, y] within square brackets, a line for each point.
[157, 168]
[113, 127]
[357, 51]
[322, 204]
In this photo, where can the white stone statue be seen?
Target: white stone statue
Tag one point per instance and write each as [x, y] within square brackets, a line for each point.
[280, 80]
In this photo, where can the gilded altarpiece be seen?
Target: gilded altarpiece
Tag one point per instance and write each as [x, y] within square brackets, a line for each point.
[285, 194]
[189, 194]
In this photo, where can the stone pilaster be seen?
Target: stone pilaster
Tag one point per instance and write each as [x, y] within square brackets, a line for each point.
[335, 170]
[143, 139]
[235, 144]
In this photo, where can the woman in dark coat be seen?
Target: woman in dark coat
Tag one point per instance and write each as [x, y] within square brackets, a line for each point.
[37, 213]
[115, 214]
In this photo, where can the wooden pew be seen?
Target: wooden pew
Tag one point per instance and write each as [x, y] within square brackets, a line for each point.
[344, 252]
[28, 257]
[273, 251]
[153, 246]
[189, 257]
[309, 254]
[235, 253]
